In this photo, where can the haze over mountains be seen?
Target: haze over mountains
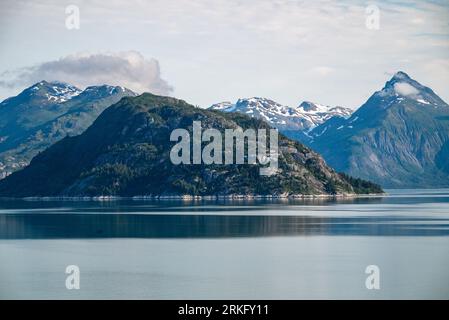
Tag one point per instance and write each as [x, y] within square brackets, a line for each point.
[45, 113]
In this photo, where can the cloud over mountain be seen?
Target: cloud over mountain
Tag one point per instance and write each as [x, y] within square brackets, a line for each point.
[129, 69]
[405, 89]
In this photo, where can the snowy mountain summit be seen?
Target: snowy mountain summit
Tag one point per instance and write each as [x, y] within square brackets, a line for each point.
[45, 113]
[401, 87]
[304, 118]
[55, 91]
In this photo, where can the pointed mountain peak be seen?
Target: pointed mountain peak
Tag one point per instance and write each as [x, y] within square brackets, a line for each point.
[401, 85]
[401, 76]
[401, 88]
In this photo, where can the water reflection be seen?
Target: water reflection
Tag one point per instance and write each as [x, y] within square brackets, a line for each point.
[55, 225]
[401, 213]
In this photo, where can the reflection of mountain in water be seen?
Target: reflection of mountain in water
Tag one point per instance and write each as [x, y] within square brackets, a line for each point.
[56, 225]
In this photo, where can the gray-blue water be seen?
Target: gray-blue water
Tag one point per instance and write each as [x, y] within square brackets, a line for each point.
[228, 250]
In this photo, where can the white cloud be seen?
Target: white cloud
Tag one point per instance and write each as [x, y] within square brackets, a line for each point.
[129, 69]
[214, 50]
[405, 89]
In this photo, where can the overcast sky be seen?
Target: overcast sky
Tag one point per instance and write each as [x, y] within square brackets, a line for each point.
[207, 51]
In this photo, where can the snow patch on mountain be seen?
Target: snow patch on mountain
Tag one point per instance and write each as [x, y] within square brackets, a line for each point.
[57, 91]
[223, 106]
[305, 117]
[401, 88]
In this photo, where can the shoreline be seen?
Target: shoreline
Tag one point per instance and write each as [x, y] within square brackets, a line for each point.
[198, 198]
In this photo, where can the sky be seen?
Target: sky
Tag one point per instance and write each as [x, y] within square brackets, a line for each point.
[208, 51]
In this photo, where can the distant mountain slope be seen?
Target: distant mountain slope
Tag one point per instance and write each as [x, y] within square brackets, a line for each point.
[398, 138]
[45, 113]
[294, 122]
[126, 152]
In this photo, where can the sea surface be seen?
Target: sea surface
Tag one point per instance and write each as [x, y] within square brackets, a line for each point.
[280, 249]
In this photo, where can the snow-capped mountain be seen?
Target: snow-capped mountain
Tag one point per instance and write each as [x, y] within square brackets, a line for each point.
[398, 138]
[402, 87]
[319, 113]
[45, 113]
[280, 116]
[303, 118]
[124, 153]
[53, 92]
[58, 91]
[225, 106]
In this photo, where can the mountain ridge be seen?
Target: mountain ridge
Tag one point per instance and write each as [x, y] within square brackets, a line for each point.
[397, 138]
[125, 152]
[294, 122]
[43, 114]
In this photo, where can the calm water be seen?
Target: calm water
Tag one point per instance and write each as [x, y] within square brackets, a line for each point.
[228, 250]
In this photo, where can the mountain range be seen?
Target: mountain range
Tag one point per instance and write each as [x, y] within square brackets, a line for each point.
[399, 138]
[44, 114]
[125, 152]
[294, 122]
